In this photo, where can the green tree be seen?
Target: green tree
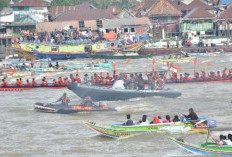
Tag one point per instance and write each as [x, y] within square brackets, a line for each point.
[3, 4]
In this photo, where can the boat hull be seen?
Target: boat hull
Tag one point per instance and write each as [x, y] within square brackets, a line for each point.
[204, 149]
[119, 57]
[124, 131]
[109, 94]
[68, 109]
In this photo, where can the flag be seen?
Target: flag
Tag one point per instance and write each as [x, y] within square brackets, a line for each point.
[114, 66]
[195, 61]
[128, 61]
[178, 68]
[153, 61]
[77, 71]
[168, 65]
[208, 64]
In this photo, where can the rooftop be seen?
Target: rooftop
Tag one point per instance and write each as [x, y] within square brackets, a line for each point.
[31, 3]
[198, 3]
[199, 13]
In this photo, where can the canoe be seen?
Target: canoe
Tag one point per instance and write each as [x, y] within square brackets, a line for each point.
[88, 66]
[174, 127]
[120, 56]
[206, 54]
[111, 94]
[16, 88]
[181, 60]
[67, 109]
[205, 149]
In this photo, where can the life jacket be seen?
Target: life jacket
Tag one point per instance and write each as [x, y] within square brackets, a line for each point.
[224, 76]
[66, 82]
[156, 120]
[73, 79]
[20, 83]
[78, 79]
[34, 83]
[44, 83]
[5, 84]
[168, 121]
[174, 77]
[97, 79]
[61, 82]
[64, 100]
[29, 84]
[181, 78]
[115, 76]
[109, 77]
[218, 77]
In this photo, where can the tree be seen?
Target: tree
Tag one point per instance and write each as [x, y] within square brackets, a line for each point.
[3, 4]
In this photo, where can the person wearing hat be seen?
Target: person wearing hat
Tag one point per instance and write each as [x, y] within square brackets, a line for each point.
[64, 99]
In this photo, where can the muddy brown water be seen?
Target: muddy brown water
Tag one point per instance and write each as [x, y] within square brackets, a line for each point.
[25, 132]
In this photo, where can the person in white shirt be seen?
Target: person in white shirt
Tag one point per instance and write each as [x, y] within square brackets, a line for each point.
[144, 120]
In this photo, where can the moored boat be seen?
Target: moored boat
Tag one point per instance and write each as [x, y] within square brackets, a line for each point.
[207, 148]
[119, 130]
[67, 109]
[204, 54]
[115, 94]
[17, 88]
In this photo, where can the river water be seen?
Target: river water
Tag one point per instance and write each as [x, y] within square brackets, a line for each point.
[25, 132]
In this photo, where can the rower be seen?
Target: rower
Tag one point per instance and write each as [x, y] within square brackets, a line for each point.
[60, 81]
[55, 83]
[197, 76]
[174, 77]
[44, 82]
[150, 81]
[131, 82]
[92, 80]
[192, 115]
[72, 78]
[57, 65]
[29, 84]
[4, 83]
[86, 79]
[128, 122]
[64, 99]
[181, 78]
[229, 76]
[218, 75]
[20, 82]
[34, 82]
[115, 76]
[203, 75]
[140, 82]
[96, 78]
[176, 119]
[224, 75]
[66, 81]
[187, 77]
[87, 101]
[78, 79]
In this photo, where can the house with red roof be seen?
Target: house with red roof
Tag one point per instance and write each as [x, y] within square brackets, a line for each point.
[198, 21]
[163, 15]
[224, 22]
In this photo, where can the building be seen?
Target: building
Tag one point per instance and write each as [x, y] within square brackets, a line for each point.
[224, 23]
[198, 22]
[6, 16]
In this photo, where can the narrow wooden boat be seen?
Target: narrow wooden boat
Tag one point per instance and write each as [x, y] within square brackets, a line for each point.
[119, 130]
[16, 88]
[207, 148]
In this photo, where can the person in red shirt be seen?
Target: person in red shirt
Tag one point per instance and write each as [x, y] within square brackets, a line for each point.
[224, 75]
[4, 83]
[34, 82]
[17, 82]
[96, 78]
[108, 77]
[20, 82]
[197, 76]
[181, 78]
[203, 76]
[78, 79]
[44, 82]
[229, 76]
[218, 75]
[115, 76]
[60, 81]
[187, 77]
[92, 81]
[72, 78]
[174, 77]
[66, 81]
[29, 84]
